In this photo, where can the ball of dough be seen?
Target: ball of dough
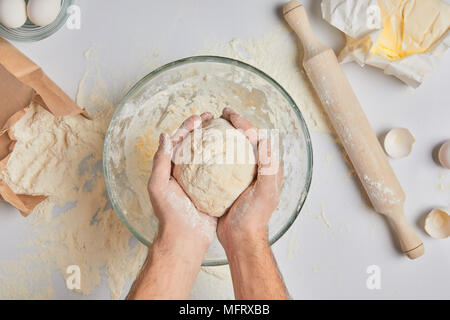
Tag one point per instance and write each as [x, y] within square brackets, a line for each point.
[214, 166]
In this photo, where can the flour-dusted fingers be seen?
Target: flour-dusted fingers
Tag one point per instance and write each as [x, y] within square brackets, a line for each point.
[241, 123]
[161, 163]
[206, 116]
[191, 123]
[227, 112]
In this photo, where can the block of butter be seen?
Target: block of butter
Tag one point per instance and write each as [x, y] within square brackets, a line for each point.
[405, 38]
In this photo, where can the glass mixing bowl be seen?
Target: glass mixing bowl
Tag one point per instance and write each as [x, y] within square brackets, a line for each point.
[259, 92]
[31, 32]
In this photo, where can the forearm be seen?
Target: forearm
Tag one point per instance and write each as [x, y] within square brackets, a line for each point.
[254, 271]
[170, 269]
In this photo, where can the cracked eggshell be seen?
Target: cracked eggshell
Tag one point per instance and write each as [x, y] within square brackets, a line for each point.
[398, 142]
[437, 223]
[444, 154]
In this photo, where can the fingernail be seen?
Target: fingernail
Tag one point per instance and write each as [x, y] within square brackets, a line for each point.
[227, 110]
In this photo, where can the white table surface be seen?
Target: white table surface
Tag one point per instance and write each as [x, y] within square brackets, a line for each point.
[329, 262]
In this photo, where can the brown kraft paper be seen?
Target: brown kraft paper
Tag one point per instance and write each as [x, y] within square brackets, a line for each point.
[21, 83]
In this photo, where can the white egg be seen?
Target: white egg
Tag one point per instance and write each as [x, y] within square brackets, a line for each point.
[43, 12]
[13, 13]
[444, 155]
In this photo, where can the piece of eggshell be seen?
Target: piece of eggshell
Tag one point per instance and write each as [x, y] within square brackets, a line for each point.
[398, 142]
[444, 154]
[13, 13]
[437, 223]
[43, 12]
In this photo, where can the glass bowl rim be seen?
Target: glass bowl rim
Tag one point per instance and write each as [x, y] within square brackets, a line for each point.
[224, 60]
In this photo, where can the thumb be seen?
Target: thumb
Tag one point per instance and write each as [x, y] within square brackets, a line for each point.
[162, 161]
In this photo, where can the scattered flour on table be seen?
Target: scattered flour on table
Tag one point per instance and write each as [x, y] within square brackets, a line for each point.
[279, 54]
[62, 158]
[444, 184]
[323, 217]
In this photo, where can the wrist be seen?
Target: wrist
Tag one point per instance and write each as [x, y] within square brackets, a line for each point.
[170, 269]
[244, 241]
[183, 244]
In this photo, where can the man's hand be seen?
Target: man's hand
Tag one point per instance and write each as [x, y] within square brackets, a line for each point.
[176, 213]
[243, 230]
[184, 233]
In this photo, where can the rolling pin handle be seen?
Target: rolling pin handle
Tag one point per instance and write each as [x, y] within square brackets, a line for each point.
[295, 15]
[410, 242]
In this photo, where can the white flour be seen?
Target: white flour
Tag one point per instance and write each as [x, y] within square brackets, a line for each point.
[61, 158]
[279, 54]
[76, 224]
[183, 204]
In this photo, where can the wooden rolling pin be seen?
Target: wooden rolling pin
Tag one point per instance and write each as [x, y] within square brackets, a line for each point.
[354, 130]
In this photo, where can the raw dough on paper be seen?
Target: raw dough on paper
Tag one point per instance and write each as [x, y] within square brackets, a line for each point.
[61, 157]
[219, 166]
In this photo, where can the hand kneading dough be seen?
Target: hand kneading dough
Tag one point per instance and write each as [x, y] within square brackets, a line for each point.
[215, 170]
